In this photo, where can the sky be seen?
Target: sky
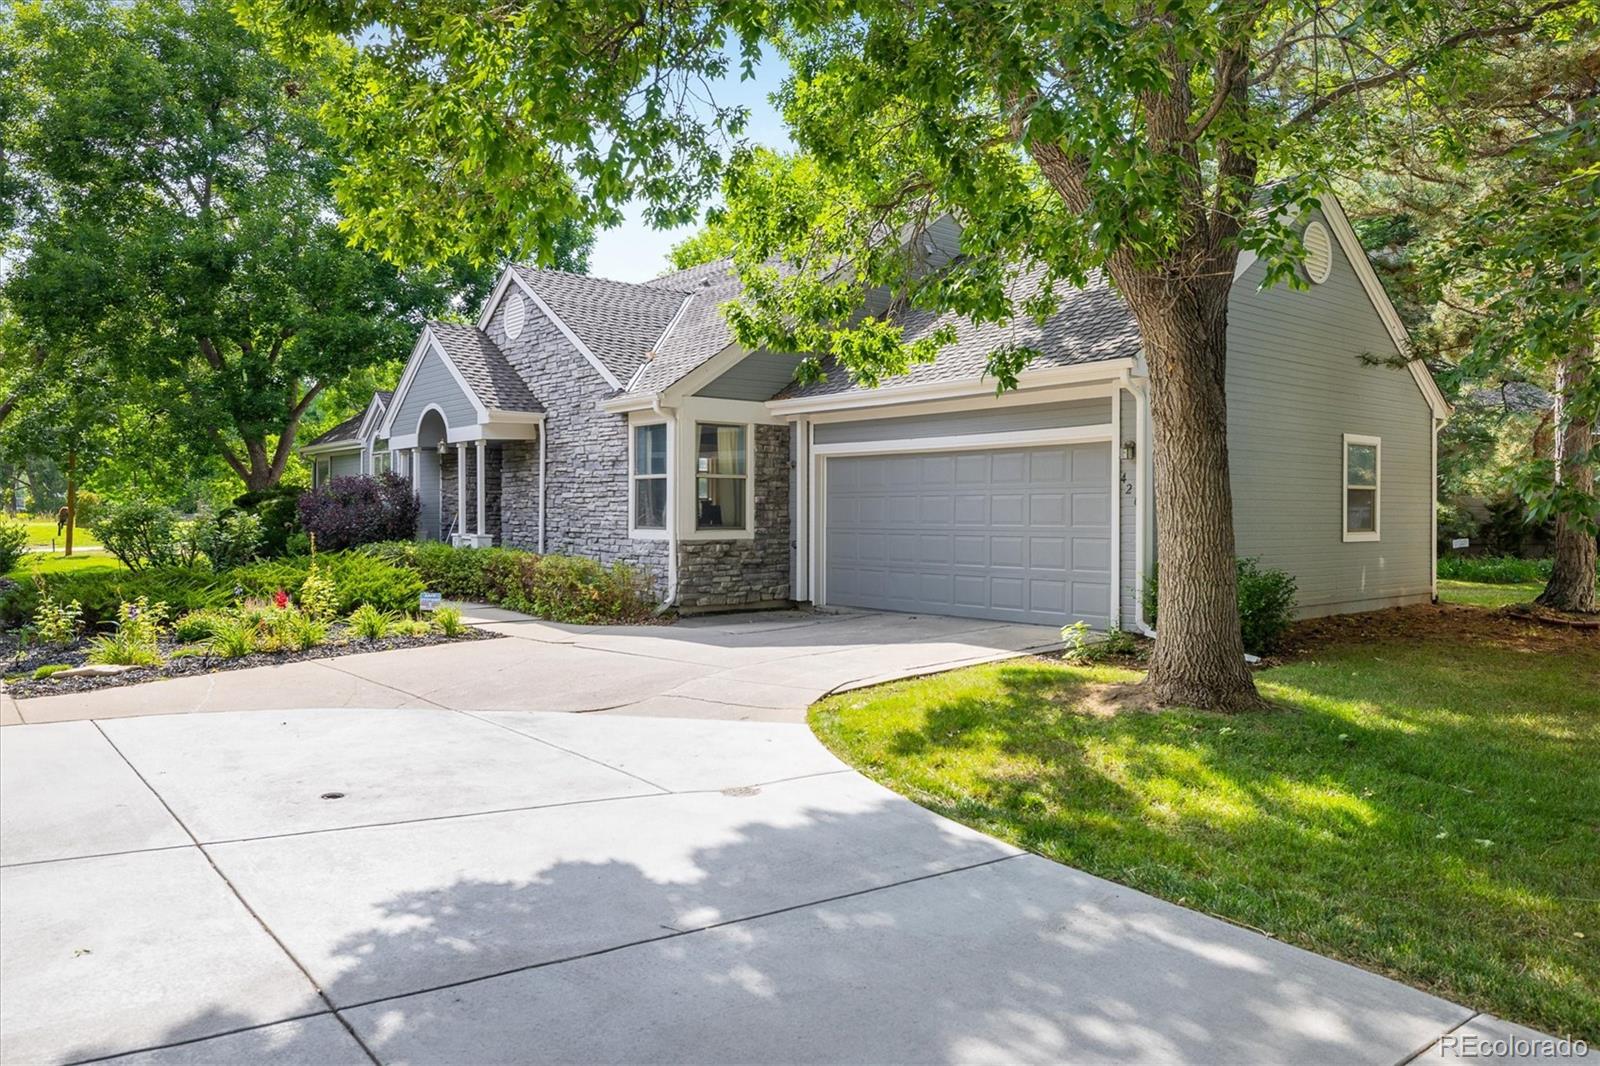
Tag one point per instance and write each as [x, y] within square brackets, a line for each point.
[635, 252]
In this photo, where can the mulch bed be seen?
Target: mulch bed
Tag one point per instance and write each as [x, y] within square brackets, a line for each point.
[17, 660]
[1510, 628]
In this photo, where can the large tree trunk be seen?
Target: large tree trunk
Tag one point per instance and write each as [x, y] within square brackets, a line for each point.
[72, 496]
[1572, 579]
[1198, 659]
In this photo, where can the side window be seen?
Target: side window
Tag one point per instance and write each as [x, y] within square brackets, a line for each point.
[1363, 470]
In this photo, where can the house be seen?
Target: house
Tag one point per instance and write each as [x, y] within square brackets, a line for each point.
[353, 446]
[621, 421]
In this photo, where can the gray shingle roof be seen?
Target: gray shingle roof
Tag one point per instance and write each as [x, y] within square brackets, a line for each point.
[344, 431]
[700, 332]
[1091, 325]
[485, 367]
[618, 321]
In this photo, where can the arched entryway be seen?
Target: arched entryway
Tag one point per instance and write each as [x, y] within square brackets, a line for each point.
[431, 433]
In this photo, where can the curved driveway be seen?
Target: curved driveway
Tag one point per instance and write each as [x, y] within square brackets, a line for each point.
[419, 884]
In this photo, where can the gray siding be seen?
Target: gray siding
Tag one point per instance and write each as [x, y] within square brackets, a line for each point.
[586, 486]
[998, 419]
[1296, 384]
[345, 464]
[758, 376]
[434, 384]
[1129, 531]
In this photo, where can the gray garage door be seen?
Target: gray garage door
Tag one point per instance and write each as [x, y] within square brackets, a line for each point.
[1016, 534]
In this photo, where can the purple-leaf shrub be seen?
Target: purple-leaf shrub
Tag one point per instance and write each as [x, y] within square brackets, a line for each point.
[359, 510]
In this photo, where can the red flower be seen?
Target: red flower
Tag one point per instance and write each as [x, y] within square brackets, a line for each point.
[280, 599]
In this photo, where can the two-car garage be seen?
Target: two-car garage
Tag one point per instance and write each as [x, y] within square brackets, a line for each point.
[915, 517]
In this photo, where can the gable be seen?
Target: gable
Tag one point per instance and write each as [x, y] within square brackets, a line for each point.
[429, 382]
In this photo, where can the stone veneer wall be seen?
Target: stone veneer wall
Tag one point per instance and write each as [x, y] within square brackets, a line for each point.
[586, 477]
[732, 573]
[492, 477]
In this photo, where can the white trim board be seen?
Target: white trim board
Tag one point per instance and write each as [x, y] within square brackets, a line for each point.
[970, 442]
[976, 389]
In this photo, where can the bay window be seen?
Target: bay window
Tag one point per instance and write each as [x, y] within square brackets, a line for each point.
[721, 476]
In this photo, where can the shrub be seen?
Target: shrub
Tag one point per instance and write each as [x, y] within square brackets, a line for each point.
[350, 511]
[369, 623]
[356, 578]
[143, 534]
[13, 543]
[230, 539]
[566, 588]
[302, 632]
[101, 592]
[55, 622]
[455, 573]
[277, 511]
[1266, 604]
[449, 622]
[1494, 569]
[319, 595]
[195, 626]
[133, 643]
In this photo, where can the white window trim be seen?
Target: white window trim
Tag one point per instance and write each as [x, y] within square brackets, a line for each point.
[691, 453]
[646, 532]
[1358, 535]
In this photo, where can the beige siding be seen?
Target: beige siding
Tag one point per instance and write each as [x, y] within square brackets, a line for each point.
[1296, 384]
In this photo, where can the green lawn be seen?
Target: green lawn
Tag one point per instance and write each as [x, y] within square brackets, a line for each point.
[1482, 595]
[56, 563]
[1426, 808]
[42, 534]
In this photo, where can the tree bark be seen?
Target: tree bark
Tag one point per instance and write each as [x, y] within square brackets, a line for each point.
[1198, 660]
[1572, 577]
[72, 497]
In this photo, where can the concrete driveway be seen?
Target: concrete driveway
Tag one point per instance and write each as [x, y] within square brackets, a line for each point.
[767, 667]
[418, 884]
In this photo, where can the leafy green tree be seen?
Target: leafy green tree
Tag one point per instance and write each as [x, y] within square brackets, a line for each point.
[1152, 141]
[181, 224]
[1494, 176]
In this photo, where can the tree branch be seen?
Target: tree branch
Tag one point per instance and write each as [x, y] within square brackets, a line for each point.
[1357, 85]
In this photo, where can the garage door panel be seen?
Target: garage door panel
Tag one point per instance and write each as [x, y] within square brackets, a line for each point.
[1018, 534]
[1008, 509]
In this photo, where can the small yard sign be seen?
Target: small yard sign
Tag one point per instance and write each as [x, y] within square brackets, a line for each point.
[428, 601]
[1460, 542]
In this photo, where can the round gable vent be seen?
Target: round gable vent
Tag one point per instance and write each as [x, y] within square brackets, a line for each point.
[1319, 252]
[516, 314]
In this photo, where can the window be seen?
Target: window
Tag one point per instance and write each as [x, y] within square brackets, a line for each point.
[380, 463]
[720, 477]
[320, 472]
[650, 476]
[1362, 472]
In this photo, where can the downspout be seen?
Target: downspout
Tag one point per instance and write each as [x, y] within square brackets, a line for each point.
[1141, 503]
[542, 425]
[671, 599]
[1433, 484]
[1116, 500]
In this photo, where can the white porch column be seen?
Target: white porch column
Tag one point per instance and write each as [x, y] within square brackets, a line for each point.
[482, 508]
[461, 488]
[416, 465]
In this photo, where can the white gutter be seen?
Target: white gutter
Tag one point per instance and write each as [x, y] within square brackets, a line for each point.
[672, 493]
[1433, 511]
[542, 436]
[1116, 501]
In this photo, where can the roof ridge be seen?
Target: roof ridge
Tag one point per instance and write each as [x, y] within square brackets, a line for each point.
[595, 277]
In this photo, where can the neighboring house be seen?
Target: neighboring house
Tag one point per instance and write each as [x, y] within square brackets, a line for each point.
[352, 447]
[621, 421]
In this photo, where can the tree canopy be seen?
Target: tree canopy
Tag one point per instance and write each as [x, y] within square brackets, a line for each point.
[178, 224]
